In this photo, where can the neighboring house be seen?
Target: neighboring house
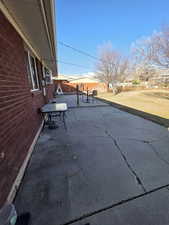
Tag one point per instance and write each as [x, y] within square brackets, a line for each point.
[162, 79]
[60, 82]
[69, 83]
[27, 61]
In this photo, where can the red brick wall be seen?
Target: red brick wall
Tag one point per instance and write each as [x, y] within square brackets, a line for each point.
[19, 115]
[71, 87]
[50, 91]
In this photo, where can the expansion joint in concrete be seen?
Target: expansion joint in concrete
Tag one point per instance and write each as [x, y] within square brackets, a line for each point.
[85, 216]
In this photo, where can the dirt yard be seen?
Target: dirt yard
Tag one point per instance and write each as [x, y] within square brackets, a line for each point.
[154, 102]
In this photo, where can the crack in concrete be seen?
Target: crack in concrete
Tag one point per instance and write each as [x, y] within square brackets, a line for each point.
[139, 140]
[144, 141]
[158, 154]
[149, 143]
[129, 166]
[167, 188]
[138, 180]
[163, 137]
[74, 173]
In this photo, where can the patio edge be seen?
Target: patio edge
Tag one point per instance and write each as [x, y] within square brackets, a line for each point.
[21, 172]
[153, 118]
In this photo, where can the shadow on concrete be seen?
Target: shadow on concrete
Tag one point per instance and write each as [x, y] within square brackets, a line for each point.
[105, 165]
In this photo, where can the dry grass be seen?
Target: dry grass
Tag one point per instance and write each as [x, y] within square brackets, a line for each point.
[155, 102]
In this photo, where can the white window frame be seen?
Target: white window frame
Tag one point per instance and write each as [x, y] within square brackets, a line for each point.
[31, 72]
[43, 69]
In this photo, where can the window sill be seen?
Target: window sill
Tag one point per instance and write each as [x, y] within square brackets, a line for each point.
[36, 92]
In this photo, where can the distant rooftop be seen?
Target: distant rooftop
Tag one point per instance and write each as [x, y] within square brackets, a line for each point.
[89, 78]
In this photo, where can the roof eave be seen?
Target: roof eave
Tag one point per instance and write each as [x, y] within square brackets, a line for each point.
[37, 30]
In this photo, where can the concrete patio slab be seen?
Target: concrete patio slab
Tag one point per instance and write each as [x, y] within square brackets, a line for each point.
[151, 209]
[71, 101]
[105, 156]
[103, 178]
[161, 148]
[152, 171]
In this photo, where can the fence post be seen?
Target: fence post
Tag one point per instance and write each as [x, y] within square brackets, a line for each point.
[87, 95]
[77, 93]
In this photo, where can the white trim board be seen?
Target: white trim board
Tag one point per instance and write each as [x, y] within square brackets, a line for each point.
[20, 175]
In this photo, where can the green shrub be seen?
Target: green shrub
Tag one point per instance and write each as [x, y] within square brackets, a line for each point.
[136, 82]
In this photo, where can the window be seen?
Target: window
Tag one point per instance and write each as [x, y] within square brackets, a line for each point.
[47, 75]
[32, 73]
[28, 69]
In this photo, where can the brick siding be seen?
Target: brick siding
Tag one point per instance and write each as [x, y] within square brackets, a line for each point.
[19, 107]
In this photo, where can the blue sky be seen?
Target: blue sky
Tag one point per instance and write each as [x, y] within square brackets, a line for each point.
[87, 24]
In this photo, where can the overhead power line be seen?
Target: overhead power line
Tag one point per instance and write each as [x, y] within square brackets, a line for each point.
[83, 52]
[67, 63]
[72, 64]
[79, 51]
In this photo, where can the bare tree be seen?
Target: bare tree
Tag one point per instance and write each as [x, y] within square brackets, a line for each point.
[143, 53]
[143, 72]
[160, 48]
[153, 50]
[112, 66]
